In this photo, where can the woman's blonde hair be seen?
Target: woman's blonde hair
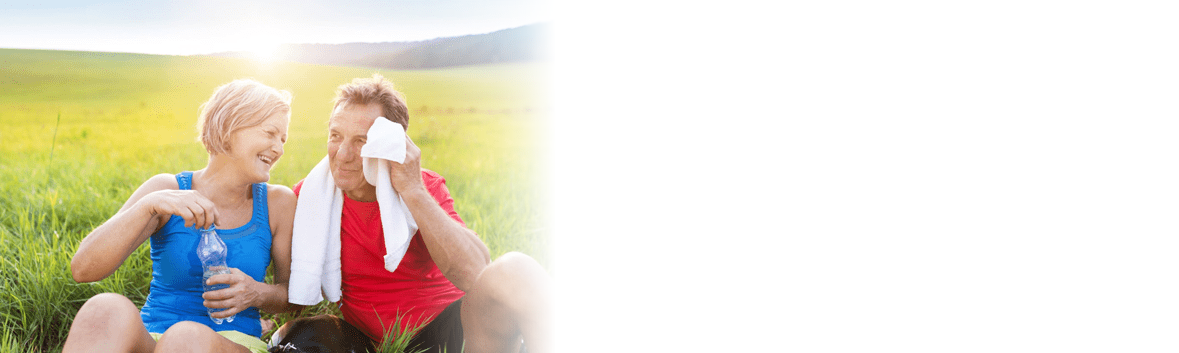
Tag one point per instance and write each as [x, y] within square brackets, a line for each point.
[237, 105]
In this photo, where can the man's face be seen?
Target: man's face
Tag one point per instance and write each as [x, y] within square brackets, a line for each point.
[347, 133]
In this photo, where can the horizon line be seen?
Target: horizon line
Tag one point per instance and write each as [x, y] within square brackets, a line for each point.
[242, 51]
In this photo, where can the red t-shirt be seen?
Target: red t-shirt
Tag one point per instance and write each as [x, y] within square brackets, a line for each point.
[372, 297]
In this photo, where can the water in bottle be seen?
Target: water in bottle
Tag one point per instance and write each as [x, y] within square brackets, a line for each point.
[212, 252]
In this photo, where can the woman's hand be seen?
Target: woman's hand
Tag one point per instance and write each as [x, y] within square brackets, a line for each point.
[243, 293]
[195, 208]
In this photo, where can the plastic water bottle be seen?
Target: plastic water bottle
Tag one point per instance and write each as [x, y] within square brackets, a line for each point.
[212, 252]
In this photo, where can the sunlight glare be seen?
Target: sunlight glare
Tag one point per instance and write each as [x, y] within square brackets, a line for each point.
[265, 52]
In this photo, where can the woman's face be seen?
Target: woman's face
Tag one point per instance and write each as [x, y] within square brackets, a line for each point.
[256, 149]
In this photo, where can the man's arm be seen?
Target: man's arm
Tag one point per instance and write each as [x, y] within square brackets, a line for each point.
[457, 251]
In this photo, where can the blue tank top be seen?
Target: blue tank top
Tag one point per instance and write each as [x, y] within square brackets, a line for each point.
[176, 286]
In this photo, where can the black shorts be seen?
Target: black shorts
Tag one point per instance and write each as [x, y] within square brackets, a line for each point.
[446, 330]
[331, 333]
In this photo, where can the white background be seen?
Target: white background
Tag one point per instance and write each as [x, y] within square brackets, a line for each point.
[859, 176]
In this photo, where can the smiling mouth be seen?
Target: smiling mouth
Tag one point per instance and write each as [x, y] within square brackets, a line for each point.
[269, 161]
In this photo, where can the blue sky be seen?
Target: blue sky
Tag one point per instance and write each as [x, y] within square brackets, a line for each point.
[196, 27]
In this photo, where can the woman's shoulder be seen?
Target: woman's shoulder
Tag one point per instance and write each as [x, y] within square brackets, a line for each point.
[279, 193]
[162, 181]
[280, 198]
[280, 202]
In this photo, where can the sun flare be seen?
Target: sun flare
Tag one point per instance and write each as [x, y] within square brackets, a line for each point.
[265, 52]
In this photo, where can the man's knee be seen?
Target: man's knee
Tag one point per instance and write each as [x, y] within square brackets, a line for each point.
[514, 266]
[514, 278]
[508, 297]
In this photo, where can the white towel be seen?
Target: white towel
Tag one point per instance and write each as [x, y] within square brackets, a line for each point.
[315, 244]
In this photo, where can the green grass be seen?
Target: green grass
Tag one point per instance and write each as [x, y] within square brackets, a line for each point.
[80, 131]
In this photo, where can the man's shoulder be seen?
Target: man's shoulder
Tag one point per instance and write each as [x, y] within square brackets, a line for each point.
[430, 173]
[432, 178]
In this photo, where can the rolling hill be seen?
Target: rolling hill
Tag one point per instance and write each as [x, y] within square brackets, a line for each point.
[520, 44]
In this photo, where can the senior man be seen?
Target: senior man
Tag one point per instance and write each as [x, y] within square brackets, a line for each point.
[444, 280]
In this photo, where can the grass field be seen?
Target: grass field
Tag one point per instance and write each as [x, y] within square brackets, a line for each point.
[80, 131]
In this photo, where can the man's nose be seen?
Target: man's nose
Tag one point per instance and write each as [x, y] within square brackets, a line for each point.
[348, 151]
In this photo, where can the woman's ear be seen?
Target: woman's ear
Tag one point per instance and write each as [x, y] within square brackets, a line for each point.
[228, 143]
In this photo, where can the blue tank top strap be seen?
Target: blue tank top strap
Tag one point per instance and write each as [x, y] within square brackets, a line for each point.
[261, 208]
[185, 180]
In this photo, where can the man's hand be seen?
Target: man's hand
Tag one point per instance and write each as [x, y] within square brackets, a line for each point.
[407, 176]
[242, 293]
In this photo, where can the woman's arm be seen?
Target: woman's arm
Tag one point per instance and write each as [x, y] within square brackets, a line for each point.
[106, 247]
[282, 216]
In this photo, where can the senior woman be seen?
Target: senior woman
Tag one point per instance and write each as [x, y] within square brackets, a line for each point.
[243, 127]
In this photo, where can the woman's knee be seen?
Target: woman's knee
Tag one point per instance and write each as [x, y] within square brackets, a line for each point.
[107, 321]
[188, 328]
[184, 333]
[107, 306]
[189, 336]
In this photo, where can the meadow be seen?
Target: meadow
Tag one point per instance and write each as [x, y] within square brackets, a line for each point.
[80, 131]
